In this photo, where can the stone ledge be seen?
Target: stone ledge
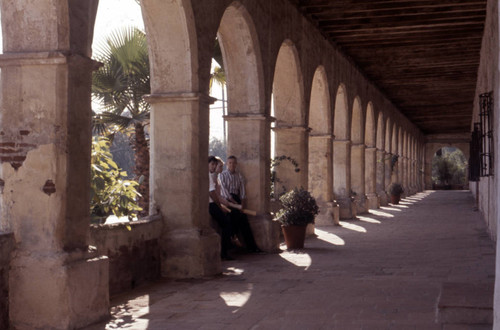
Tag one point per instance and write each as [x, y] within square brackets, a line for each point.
[465, 304]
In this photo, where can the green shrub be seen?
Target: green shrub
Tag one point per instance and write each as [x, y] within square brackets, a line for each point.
[298, 208]
[110, 191]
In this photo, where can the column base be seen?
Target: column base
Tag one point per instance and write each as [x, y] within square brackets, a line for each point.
[328, 214]
[361, 204]
[383, 198]
[191, 253]
[347, 208]
[373, 201]
[266, 232]
[58, 290]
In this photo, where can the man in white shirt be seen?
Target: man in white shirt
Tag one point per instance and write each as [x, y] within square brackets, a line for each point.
[233, 189]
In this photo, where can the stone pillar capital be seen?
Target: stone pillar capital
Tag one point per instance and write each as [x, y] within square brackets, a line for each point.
[246, 116]
[156, 98]
[321, 136]
[296, 128]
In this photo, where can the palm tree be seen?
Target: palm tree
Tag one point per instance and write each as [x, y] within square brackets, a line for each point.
[119, 86]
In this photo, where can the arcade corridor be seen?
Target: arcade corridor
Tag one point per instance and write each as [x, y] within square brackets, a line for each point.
[385, 270]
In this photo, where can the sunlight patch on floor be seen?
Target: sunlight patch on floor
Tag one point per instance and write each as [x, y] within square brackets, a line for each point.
[328, 237]
[352, 226]
[380, 213]
[387, 208]
[297, 258]
[237, 298]
[366, 219]
[400, 205]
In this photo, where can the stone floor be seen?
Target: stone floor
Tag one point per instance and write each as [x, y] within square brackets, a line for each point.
[382, 271]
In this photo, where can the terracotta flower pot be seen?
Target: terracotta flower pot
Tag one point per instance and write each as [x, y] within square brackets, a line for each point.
[395, 199]
[294, 236]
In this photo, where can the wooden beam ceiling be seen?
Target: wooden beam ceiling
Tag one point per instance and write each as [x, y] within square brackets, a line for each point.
[423, 54]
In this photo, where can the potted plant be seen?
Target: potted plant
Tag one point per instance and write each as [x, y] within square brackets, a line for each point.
[395, 191]
[298, 209]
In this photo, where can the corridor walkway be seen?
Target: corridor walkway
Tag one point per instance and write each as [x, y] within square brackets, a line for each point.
[382, 271]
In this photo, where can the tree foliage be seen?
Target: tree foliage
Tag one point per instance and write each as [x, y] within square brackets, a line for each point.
[119, 86]
[449, 167]
[111, 193]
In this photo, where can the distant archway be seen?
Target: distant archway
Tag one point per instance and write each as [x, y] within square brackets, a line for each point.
[449, 169]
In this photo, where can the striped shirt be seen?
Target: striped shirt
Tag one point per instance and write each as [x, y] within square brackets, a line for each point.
[232, 183]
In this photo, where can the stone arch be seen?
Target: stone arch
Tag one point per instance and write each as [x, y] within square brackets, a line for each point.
[342, 154]
[320, 166]
[381, 155]
[399, 148]
[388, 153]
[172, 42]
[380, 132]
[358, 156]
[357, 122]
[404, 161]
[370, 129]
[288, 87]
[371, 158]
[248, 128]
[388, 135]
[320, 114]
[341, 115]
[289, 111]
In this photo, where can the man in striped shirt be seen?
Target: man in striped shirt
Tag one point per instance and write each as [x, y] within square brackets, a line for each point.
[233, 189]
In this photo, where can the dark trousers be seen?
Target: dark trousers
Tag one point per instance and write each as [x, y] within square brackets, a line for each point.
[224, 223]
[240, 224]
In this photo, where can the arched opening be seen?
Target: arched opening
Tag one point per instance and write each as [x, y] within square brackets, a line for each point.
[290, 133]
[380, 162]
[247, 127]
[320, 146]
[371, 158]
[449, 169]
[358, 156]
[388, 154]
[342, 155]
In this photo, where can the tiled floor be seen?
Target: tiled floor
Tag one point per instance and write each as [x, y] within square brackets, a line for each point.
[382, 271]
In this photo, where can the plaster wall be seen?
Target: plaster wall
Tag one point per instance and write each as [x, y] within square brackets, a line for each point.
[488, 80]
[133, 250]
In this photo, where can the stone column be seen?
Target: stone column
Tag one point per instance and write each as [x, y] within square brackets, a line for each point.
[249, 140]
[321, 178]
[389, 171]
[291, 141]
[371, 177]
[404, 175]
[358, 177]
[342, 178]
[381, 167]
[56, 279]
[179, 184]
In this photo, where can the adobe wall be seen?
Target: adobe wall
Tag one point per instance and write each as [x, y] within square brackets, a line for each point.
[6, 247]
[488, 75]
[488, 81]
[133, 250]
